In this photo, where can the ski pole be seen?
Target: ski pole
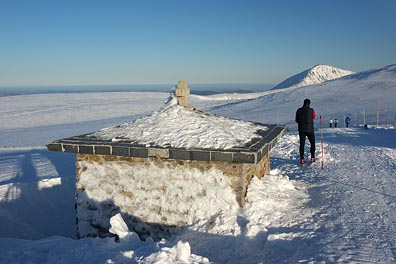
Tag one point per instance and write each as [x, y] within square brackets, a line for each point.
[321, 140]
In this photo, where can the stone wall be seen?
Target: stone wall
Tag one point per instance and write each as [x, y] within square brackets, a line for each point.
[93, 214]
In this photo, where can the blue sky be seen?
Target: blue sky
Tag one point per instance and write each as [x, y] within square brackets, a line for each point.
[90, 42]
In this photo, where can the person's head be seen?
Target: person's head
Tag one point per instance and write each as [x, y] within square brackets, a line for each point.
[307, 102]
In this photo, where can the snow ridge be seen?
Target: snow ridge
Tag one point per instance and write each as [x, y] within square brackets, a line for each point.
[318, 74]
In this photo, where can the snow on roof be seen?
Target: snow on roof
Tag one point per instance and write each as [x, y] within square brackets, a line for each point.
[175, 126]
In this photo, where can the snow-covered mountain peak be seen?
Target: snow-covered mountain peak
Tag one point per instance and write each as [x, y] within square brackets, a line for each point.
[318, 74]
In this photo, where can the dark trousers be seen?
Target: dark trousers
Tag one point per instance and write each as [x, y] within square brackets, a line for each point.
[311, 138]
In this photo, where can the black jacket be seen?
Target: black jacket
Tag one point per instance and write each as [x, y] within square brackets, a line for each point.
[304, 117]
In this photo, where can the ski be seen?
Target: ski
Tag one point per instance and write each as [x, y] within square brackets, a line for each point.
[307, 164]
[321, 142]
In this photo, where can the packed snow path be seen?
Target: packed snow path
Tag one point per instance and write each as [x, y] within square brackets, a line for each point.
[354, 195]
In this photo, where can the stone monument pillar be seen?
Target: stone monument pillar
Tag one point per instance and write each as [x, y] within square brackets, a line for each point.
[182, 93]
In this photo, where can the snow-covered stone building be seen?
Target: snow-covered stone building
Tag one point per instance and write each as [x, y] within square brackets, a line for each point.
[166, 170]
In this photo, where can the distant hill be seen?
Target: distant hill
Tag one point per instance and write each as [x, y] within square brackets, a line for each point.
[317, 74]
[354, 95]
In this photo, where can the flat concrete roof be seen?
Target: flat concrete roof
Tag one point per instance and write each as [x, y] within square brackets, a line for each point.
[250, 153]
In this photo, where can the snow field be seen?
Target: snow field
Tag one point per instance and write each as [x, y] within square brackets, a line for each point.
[26, 111]
[344, 213]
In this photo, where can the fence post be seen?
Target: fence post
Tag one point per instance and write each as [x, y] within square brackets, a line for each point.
[387, 119]
[377, 114]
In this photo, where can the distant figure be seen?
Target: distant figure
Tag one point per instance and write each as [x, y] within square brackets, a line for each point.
[347, 121]
[331, 122]
[304, 118]
[335, 122]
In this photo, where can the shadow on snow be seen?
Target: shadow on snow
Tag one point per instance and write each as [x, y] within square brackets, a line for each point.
[36, 204]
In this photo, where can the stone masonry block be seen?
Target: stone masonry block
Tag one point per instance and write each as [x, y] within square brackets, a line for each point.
[120, 151]
[103, 150]
[200, 155]
[70, 148]
[183, 101]
[158, 152]
[181, 85]
[55, 147]
[259, 156]
[244, 157]
[265, 149]
[84, 149]
[139, 152]
[183, 92]
[179, 154]
[221, 156]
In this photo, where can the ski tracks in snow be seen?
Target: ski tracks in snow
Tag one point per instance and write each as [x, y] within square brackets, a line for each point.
[354, 196]
[361, 201]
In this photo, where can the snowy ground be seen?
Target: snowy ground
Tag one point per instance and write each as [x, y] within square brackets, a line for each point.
[354, 196]
[344, 213]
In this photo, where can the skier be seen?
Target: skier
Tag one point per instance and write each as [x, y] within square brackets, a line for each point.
[304, 118]
[331, 122]
[335, 122]
[347, 121]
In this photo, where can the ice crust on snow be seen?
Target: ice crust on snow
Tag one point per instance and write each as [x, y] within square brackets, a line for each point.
[174, 126]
